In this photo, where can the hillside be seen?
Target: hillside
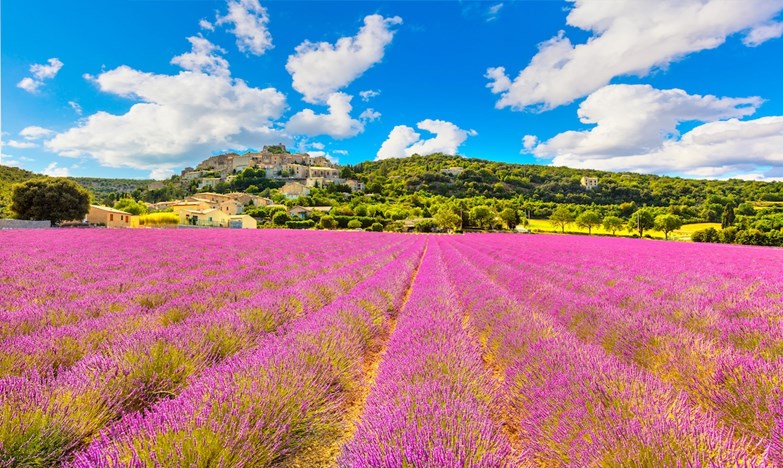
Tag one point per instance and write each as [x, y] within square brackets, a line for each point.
[539, 183]
[102, 187]
[8, 177]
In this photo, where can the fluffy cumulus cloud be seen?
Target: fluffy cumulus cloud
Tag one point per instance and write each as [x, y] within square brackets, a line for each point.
[404, 141]
[20, 144]
[55, 171]
[635, 128]
[249, 21]
[337, 123]
[176, 120]
[628, 38]
[40, 72]
[368, 94]
[204, 57]
[320, 69]
[35, 133]
[369, 115]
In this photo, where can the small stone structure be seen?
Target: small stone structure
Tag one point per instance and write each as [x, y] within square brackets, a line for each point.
[24, 224]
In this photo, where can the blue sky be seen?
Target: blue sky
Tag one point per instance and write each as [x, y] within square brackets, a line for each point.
[146, 88]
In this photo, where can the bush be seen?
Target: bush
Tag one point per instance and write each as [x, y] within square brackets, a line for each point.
[304, 224]
[327, 222]
[280, 218]
[376, 227]
[706, 235]
[728, 235]
[158, 219]
[425, 225]
[354, 224]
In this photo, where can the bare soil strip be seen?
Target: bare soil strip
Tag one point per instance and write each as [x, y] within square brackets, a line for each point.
[325, 455]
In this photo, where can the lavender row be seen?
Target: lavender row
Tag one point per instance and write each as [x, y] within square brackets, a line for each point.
[55, 287]
[742, 387]
[569, 404]
[148, 366]
[262, 407]
[54, 349]
[431, 403]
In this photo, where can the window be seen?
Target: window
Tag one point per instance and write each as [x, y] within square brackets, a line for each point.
[111, 216]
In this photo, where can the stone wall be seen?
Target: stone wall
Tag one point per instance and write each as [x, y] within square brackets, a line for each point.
[23, 224]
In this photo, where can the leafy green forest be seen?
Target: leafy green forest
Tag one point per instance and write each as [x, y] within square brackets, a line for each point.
[453, 193]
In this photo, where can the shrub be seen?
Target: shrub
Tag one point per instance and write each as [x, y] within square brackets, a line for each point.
[304, 224]
[327, 222]
[280, 218]
[354, 224]
[376, 227]
[706, 235]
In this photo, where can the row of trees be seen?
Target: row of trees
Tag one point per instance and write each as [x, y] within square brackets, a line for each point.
[641, 220]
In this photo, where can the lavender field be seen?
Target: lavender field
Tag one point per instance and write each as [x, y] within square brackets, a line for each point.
[307, 348]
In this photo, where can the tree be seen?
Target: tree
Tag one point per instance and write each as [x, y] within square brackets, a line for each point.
[727, 219]
[482, 216]
[131, 206]
[327, 222]
[561, 217]
[55, 199]
[510, 217]
[613, 224]
[447, 219]
[354, 224]
[667, 223]
[640, 220]
[588, 220]
[376, 227]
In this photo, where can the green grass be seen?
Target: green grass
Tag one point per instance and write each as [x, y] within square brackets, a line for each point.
[684, 233]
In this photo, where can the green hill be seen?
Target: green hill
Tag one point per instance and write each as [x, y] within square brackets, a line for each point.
[8, 177]
[481, 178]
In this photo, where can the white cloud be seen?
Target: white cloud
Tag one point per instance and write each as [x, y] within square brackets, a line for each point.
[8, 160]
[317, 145]
[53, 170]
[628, 38]
[30, 85]
[636, 130]
[45, 72]
[340, 152]
[403, 141]
[20, 144]
[337, 123]
[250, 21]
[76, 107]
[161, 173]
[178, 119]
[369, 115]
[41, 72]
[206, 25]
[318, 70]
[529, 142]
[35, 133]
[493, 12]
[762, 33]
[203, 58]
[368, 94]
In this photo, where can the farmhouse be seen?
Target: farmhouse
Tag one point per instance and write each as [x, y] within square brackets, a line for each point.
[242, 222]
[294, 190]
[209, 217]
[108, 216]
[589, 183]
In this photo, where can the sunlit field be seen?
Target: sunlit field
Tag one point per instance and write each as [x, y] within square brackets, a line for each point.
[682, 234]
[319, 348]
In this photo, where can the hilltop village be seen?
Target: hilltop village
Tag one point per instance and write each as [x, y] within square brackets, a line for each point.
[295, 173]
[300, 171]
